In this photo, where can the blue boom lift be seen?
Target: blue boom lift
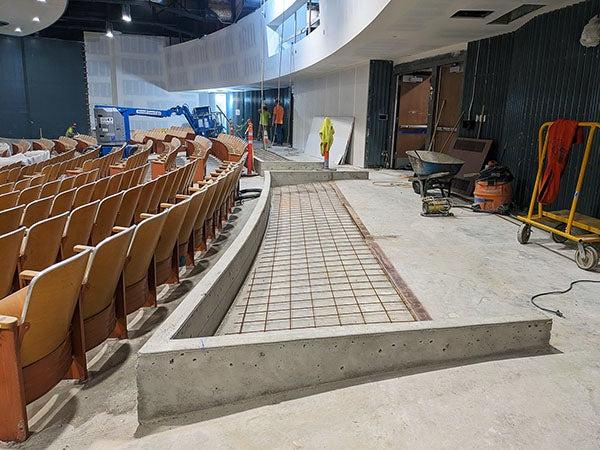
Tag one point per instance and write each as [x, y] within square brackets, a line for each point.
[113, 128]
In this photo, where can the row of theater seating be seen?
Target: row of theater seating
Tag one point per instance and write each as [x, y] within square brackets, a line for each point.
[47, 326]
[26, 191]
[52, 223]
[63, 144]
[40, 202]
[140, 157]
[225, 147]
[53, 167]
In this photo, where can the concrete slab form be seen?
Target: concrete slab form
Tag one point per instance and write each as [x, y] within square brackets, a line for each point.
[265, 161]
[184, 367]
[289, 178]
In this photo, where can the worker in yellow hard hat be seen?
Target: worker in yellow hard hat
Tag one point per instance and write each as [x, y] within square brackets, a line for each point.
[326, 134]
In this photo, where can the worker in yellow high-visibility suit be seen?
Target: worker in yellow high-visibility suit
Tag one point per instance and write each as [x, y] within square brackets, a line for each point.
[326, 134]
[71, 131]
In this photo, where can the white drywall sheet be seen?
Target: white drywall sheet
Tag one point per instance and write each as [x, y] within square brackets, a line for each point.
[343, 127]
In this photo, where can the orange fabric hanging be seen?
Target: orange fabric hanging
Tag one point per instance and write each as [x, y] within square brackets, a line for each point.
[561, 137]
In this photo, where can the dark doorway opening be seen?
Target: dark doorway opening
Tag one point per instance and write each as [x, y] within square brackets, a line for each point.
[428, 110]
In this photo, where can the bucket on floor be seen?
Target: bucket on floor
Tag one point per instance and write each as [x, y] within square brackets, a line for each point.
[491, 196]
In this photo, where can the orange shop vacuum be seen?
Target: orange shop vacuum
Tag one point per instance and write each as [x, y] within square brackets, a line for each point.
[493, 190]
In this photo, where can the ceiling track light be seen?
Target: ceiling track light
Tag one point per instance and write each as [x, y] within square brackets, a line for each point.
[126, 13]
[36, 19]
[109, 30]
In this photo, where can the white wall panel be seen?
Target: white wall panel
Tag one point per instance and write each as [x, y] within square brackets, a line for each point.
[129, 70]
[340, 93]
[234, 55]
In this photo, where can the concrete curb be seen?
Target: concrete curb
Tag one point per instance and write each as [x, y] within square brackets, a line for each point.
[293, 177]
[262, 167]
[194, 374]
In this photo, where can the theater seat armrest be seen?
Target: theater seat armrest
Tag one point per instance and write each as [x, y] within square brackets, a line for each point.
[28, 274]
[117, 229]
[166, 205]
[8, 322]
[74, 171]
[82, 248]
[146, 215]
[182, 196]
[117, 166]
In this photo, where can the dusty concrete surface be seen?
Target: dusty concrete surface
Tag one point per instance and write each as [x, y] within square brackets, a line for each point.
[463, 267]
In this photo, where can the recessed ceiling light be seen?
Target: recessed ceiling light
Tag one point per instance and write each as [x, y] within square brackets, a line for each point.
[516, 13]
[36, 19]
[126, 13]
[18, 30]
[471, 14]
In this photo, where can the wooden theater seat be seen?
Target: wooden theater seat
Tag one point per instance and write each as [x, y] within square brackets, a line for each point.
[199, 149]
[140, 268]
[126, 180]
[6, 187]
[84, 141]
[29, 194]
[167, 250]
[36, 211]
[114, 184]
[37, 180]
[22, 184]
[80, 179]
[185, 239]
[139, 174]
[139, 158]
[43, 144]
[64, 144]
[100, 188]
[9, 200]
[83, 195]
[105, 218]
[157, 194]
[66, 184]
[63, 202]
[42, 341]
[78, 228]
[103, 293]
[10, 248]
[41, 246]
[199, 235]
[21, 146]
[50, 188]
[128, 205]
[10, 219]
[143, 203]
[164, 164]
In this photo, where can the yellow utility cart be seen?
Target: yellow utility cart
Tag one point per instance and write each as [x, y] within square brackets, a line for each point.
[567, 221]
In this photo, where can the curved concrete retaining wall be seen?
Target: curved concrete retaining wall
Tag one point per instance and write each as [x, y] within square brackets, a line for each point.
[182, 368]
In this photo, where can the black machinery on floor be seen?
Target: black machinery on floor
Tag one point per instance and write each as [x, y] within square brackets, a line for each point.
[434, 171]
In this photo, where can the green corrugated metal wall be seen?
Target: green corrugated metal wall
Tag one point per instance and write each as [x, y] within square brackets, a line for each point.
[538, 73]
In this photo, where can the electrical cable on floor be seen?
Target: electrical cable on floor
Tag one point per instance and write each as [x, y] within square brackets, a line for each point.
[557, 312]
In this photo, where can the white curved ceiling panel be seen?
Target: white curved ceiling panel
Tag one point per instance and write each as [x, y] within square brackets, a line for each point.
[21, 14]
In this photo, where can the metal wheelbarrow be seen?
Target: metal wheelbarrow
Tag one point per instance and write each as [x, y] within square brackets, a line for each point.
[433, 171]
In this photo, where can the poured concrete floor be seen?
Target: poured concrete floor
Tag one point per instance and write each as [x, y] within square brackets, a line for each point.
[466, 266]
[314, 269]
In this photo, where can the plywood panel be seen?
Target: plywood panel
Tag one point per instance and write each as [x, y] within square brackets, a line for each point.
[343, 127]
[450, 88]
